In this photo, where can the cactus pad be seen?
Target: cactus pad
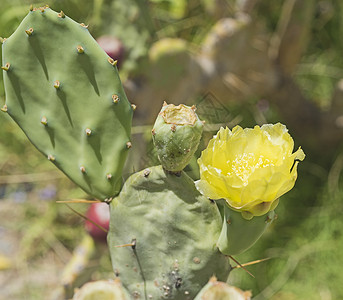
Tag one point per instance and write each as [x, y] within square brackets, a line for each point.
[64, 92]
[163, 235]
[239, 234]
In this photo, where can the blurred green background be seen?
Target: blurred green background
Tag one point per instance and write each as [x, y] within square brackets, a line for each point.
[302, 53]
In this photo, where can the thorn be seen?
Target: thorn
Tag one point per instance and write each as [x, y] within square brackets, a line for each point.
[78, 201]
[80, 49]
[132, 244]
[61, 14]
[88, 131]
[86, 218]
[173, 128]
[228, 221]
[153, 132]
[128, 145]
[44, 121]
[109, 176]
[241, 266]
[31, 7]
[2, 40]
[193, 108]
[57, 84]
[83, 169]
[203, 122]
[29, 31]
[4, 108]
[251, 263]
[133, 107]
[51, 157]
[165, 103]
[112, 61]
[125, 245]
[6, 67]
[42, 9]
[84, 26]
[115, 98]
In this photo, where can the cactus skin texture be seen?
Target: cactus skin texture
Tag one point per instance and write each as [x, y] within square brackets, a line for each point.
[216, 290]
[239, 234]
[176, 135]
[60, 89]
[163, 235]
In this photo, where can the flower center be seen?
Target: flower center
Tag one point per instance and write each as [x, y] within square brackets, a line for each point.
[245, 164]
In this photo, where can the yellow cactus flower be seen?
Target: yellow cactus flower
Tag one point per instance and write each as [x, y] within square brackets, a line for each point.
[249, 168]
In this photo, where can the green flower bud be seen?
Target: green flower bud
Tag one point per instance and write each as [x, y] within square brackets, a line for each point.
[176, 135]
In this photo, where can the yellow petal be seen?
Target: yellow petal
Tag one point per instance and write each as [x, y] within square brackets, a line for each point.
[250, 168]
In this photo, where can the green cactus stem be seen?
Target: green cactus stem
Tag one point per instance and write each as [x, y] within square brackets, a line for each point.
[163, 236]
[239, 234]
[176, 135]
[59, 86]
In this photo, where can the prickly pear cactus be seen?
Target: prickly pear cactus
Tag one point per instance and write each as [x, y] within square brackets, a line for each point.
[163, 236]
[64, 92]
[176, 135]
[172, 55]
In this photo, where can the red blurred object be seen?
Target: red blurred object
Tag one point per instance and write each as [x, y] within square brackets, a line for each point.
[99, 213]
[113, 47]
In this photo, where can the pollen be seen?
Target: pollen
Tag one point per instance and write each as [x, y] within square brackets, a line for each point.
[243, 165]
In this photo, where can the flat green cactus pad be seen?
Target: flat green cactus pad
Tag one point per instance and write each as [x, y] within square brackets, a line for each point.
[65, 93]
[163, 235]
